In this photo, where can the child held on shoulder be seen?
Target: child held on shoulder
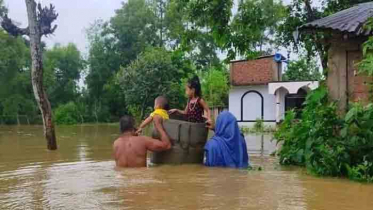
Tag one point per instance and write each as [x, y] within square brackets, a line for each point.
[160, 109]
[196, 106]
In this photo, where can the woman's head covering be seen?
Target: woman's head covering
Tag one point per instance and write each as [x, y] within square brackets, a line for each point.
[228, 147]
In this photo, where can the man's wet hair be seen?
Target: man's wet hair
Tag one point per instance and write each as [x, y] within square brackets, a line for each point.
[126, 124]
[163, 102]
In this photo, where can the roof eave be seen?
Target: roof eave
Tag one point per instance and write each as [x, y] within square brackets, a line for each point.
[312, 29]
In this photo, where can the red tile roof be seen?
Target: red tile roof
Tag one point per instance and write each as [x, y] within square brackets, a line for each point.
[252, 72]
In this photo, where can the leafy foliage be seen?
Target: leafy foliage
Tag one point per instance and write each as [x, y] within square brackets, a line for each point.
[302, 70]
[215, 15]
[137, 26]
[244, 34]
[254, 26]
[63, 67]
[16, 97]
[326, 143]
[215, 87]
[151, 75]
[3, 9]
[366, 65]
[66, 114]
[134, 29]
[300, 12]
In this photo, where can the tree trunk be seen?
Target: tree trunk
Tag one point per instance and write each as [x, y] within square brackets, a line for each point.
[142, 114]
[161, 13]
[18, 123]
[96, 111]
[82, 119]
[310, 13]
[37, 75]
[143, 107]
[311, 16]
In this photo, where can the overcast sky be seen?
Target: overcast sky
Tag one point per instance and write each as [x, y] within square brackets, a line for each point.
[75, 16]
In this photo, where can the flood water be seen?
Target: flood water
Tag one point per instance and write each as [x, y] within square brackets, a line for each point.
[82, 175]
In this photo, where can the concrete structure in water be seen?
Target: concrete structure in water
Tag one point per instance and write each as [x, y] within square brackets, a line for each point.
[188, 140]
[344, 82]
[258, 92]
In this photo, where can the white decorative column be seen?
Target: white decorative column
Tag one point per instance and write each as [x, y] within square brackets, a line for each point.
[278, 106]
[277, 88]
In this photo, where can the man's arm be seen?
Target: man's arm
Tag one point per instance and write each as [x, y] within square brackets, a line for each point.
[164, 143]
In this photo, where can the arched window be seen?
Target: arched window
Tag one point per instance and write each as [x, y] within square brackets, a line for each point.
[252, 106]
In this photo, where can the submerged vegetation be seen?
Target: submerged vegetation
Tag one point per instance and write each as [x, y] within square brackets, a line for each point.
[326, 143]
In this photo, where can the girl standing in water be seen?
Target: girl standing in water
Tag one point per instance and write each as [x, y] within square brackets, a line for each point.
[196, 105]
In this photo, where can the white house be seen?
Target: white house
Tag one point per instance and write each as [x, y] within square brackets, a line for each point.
[258, 92]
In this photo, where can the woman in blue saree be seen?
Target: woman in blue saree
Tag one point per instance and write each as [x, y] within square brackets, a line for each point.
[227, 148]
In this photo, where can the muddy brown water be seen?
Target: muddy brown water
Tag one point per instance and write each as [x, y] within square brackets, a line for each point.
[81, 175]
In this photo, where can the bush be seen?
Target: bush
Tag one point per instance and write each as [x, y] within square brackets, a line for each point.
[66, 114]
[152, 74]
[327, 144]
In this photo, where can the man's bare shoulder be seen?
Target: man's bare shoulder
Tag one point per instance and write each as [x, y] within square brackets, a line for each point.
[121, 140]
[145, 140]
[142, 138]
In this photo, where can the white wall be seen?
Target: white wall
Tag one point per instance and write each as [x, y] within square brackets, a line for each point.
[252, 104]
[283, 93]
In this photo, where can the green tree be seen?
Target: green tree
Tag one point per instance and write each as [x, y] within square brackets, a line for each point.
[149, 76]
[3, 9]
[183, 34]
[215, 87]
[242, 34]
[302, 70]
[15, 82]
[300, 12]
[214, 15]
[253, 27]
[63, 65]
[13, 53]
[135, 28]
[104, 62]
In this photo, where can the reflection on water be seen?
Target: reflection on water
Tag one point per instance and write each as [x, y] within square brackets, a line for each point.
[262, 145]
[81, 175]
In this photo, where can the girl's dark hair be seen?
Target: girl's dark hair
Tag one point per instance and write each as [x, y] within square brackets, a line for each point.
[194, 83]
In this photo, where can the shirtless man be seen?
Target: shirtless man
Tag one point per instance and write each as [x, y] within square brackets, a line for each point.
[130, 150]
